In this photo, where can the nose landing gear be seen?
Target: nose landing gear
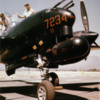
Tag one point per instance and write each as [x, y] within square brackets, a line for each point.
[45, 90]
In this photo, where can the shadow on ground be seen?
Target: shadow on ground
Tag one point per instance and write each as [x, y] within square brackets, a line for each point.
[32, 90]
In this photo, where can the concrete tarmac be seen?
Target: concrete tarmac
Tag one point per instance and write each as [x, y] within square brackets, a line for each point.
[76, 86]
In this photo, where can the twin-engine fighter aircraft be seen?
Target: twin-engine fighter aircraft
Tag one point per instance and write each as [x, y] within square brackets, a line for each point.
[46, 40]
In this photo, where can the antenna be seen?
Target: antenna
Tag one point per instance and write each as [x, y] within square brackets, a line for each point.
[68, 5]
[58, 4]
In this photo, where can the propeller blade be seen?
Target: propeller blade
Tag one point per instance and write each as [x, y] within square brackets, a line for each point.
[84, 16]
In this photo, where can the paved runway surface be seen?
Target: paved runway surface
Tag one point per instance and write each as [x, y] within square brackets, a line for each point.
[79, 86]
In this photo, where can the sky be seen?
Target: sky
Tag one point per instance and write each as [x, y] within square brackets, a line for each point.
[92, 6]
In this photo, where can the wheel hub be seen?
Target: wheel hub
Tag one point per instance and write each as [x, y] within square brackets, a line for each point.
[42, 93]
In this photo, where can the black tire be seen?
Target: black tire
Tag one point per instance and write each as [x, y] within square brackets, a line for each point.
[54, 79]
[45, 91]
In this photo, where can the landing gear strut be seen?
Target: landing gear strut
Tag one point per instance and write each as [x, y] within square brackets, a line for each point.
[45, 90]
[51, 77]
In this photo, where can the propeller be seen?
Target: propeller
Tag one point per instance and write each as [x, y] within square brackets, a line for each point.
[84, 16]
[92, 36]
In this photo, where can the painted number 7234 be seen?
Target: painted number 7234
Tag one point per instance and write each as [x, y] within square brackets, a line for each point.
[56, 20]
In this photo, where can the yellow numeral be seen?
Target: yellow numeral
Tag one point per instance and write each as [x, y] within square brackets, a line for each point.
[58, 20]
[47, 21]
[64, 18]
[52, 22]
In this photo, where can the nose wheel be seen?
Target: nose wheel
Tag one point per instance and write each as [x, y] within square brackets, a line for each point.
[45, 91]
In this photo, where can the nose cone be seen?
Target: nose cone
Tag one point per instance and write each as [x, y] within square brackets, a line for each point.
[71, 51]
[81, 46]
[74, 49]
